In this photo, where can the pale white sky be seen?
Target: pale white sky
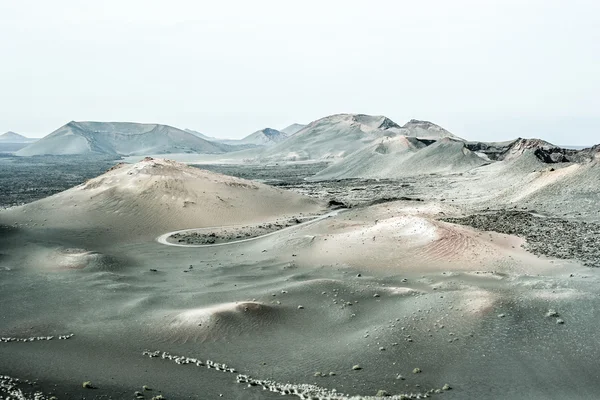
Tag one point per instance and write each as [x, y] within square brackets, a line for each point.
[486, 70]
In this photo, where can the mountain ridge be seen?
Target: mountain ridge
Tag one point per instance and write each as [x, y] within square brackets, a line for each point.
[120, 138]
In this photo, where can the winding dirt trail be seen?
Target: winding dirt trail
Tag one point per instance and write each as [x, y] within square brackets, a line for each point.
[163, 239]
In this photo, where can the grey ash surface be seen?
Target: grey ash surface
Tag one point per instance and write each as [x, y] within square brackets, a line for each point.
[347, 315]
[549, 236]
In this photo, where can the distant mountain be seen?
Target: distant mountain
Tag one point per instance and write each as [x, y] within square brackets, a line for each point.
[293, 128]
[265, 137]
[120, 138]
[333, 137]
[12, 137]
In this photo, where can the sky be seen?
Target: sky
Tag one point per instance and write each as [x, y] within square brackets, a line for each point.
[485, 70]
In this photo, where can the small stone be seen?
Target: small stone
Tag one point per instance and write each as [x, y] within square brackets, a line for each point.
[446, 387]
[146, 388]
[317, 374]
[376, 295]
[417, 371]
[382, 393]
[551, 313]
[382, 349]
[501, 315]
[400, 377]
[356, 367]
[88, 385]
[332, 373]
[300, 307]
[560, 321]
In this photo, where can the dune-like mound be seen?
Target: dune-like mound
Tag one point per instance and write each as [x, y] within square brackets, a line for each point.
[333, 137]
[404, 156]
[221, 321]
[54, 259]
[401, 236]
[120, 138]
[379, 159]
[445, 156]
[155, 196]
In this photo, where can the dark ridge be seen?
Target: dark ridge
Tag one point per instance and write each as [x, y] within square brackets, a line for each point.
[426, 142]
[544, 151]
[387, 124]
[269, 132]
[335, 204]
[391, 199]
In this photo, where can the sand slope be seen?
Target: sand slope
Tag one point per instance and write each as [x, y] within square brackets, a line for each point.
[523, 179]
[404, 156]
[573, 190]
[375, 160]
[120, 138]
[155, 196]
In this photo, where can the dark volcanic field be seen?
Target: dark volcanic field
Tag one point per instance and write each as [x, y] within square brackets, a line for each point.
[27, 179]
[552, 237]
[273, 174]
